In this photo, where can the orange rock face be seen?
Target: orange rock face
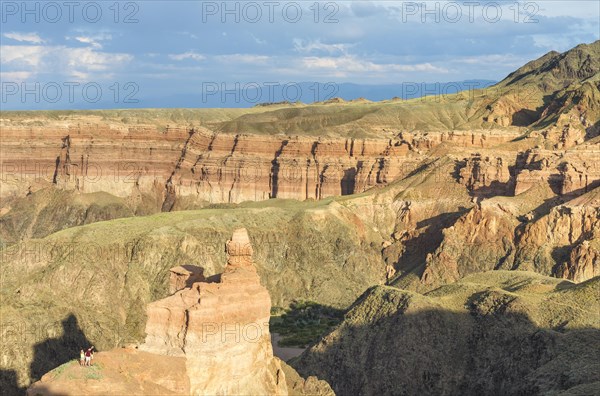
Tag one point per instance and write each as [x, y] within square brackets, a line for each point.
[221, 326]
[130, 161]
[567, 172]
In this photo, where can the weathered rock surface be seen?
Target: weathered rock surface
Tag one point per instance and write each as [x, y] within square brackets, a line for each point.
[495, 235]
[222, 328]
[481, 240]
[565, 172]
[563, 242]
[184, 276]
[485, 176]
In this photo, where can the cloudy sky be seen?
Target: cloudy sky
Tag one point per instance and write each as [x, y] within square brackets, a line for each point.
[150, 49]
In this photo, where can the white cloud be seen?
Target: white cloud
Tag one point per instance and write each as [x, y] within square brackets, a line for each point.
[312, 46]
[80, 63]
[33, 38]
[23, 55]
[93, 40]
[187, 55]
[15, 76]
[84, 63]
[350, 64]
[243, 58]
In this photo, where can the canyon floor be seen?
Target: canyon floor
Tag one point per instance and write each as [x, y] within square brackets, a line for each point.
[459, 235]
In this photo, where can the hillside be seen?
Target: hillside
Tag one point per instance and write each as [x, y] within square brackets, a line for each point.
[491, 333]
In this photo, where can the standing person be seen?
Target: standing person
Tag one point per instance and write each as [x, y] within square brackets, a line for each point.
[81, 357]
[88, 357]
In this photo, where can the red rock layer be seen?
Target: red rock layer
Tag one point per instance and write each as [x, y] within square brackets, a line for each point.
[127, 161]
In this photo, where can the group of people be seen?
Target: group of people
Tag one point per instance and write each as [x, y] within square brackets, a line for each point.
[85, 358]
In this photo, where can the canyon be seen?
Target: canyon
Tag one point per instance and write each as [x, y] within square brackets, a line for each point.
[454, 223]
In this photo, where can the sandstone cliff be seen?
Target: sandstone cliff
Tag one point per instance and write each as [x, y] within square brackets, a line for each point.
[222, 328]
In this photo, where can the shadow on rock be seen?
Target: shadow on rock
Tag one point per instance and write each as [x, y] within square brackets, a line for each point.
[53, 352]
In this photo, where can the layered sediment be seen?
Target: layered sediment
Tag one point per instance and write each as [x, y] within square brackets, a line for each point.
[206, 165]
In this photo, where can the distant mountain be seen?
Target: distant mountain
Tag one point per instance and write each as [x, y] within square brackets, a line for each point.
[556, 84]
[309, 92]
[213, 95]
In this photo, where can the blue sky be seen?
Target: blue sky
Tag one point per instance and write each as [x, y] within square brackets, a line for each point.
[170, 48]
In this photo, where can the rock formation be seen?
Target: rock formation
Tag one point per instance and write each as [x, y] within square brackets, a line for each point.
[169, 166]
[583, 263]
[564, 242]
[493, 235]
[222, 328]
[184, 276]
[214, 332]
[480, 240]
[485, 176]
[566, 172]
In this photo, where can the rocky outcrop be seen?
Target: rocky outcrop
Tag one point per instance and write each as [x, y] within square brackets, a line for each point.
[222, 328]
[566, 172]
[480, 240]
[574, 171]
[216, 331]
[485, 176]
[583, 263]
[562, 243]
[184, 276]
[495, 236]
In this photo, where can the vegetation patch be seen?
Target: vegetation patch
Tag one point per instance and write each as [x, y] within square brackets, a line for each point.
[304, 322]
[94, 372]
[60, 369]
